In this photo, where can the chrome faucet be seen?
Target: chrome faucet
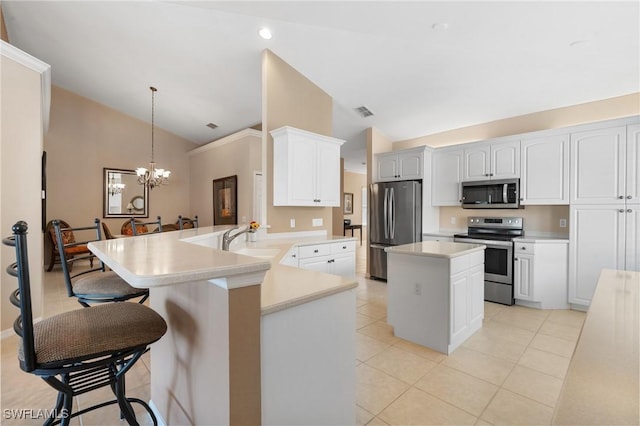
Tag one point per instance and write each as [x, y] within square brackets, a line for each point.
[227, 238]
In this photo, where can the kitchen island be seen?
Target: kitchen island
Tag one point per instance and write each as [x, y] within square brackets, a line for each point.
[436, 292]
[250, 341]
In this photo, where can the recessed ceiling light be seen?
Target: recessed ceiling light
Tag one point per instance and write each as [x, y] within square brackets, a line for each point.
[265, 33]
[440, 26]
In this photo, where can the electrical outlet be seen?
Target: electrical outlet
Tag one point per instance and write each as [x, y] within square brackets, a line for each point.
[563, 223]
[292, 223]
[417, 289]
[316, 222]
[453, 220]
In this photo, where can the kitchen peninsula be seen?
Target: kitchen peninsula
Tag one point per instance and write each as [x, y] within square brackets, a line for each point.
[436, 292]
[250, 341]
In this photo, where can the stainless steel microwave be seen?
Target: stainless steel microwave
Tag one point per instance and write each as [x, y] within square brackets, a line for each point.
[491, 194]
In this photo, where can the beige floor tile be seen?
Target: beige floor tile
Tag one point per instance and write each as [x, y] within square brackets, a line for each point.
[377, 421]
[545, 362]
[373, 310]
[368, 347]
[505, 331]
[401, 364]
[420, 350]
[567, 317]
[415, 407]
[110, 415]
[508, 408]
[380, 330]
[491, 309]
[477, 364]
[481, 422]
[457, 388]
[375, 390]
[522, 317]
[533, 384]
[496, 347]
[363, 416]
[363, 320]
[554, 345]
[561, 331]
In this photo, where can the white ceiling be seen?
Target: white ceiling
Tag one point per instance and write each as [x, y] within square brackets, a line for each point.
[493, 60]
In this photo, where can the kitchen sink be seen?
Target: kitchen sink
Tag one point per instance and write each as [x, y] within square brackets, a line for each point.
[264, 253]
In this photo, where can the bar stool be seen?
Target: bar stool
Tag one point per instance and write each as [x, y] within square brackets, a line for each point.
[186, 223]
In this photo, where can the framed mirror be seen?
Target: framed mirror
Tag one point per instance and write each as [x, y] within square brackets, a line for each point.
[122, 195]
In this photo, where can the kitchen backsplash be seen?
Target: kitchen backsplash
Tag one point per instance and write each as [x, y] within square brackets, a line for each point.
[537, 219]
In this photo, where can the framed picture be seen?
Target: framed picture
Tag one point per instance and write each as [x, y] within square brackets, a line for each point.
[348, 203]
[225, 204]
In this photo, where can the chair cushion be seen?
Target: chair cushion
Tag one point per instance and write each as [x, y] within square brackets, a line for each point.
[76, 250]
[94, 332]
[108, 284]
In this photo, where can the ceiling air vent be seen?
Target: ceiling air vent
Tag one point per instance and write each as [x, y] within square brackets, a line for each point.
[364, 111]
[212, 126]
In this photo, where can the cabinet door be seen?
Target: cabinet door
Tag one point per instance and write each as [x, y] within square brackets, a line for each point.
[505, 160]
[632, 194]
[598, 166]
[344, 265]
[319, 264]
[460, 307]
[597, 242]
[410, 165]
[447, 175]
[291, 258]
[545, 171]
[523, 277]
[476, 162]
[328, 175]
[476, 284]
[387, 167]
[632, 242]
[302, 179]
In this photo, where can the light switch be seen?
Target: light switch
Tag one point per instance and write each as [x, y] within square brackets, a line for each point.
[292, 223]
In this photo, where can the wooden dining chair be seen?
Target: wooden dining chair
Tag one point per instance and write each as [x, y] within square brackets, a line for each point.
[107, 232]
[81, 350]
[93, 285]
[186, 223]
[68, 237]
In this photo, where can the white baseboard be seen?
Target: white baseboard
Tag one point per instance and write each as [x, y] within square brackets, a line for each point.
[159, 417]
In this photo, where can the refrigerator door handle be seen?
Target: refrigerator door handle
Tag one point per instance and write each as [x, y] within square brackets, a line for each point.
[386, 218]
[377, 246]
[392, 214]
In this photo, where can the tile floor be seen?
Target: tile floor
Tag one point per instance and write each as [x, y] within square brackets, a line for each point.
[509, 372]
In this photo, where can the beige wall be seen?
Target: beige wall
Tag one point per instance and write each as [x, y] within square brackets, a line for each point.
[240, 157]
[290, 99]
[606, 109]
[84, 137]
[337, 211]
[353, 183]
[539, 219]
[3, 28]
[20, 159]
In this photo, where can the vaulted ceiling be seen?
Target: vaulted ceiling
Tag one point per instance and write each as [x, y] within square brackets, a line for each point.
[421, 67]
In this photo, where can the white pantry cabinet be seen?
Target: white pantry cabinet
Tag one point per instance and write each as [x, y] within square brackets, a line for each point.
[604, 166]
[602, 236]
[486, 160]
[447, 175]
[306, 168]
[544, 170]
[399, 165]
[540, 274]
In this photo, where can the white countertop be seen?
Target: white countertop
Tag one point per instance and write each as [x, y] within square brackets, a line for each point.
[602, 382]
[175, 257]
[436, 249]
[542, 239]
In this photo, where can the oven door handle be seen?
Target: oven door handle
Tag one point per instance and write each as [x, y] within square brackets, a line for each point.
[485, 242]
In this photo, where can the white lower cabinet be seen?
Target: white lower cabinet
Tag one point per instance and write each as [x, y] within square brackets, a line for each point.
[337, 258]
[540, 274]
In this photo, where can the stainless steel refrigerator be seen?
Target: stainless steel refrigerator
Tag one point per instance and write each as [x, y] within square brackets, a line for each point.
[396, 219]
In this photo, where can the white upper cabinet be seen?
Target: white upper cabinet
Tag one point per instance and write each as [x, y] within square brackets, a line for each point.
[598, 167]
[306, 168]
[447, 175]
[491, 161]
[400, 165]
[544, 169]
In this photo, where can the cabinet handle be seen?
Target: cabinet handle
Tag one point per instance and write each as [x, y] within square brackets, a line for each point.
[344, 247]
[620, 197]
[315, 251]
[629, 210]
[486, 174]
[515, 258]
[293, 255]
[523, 248]
[621, 211]
[629, 197]
[490, 174]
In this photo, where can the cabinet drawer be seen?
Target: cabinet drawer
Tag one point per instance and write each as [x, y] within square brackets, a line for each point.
[343, 247]
[313, 251]
[524, 248]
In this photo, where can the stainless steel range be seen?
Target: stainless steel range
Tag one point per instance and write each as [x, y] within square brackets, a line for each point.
[497, 233]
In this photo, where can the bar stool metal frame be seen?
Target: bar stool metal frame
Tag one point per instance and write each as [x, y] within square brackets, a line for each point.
[135, 224]
[182, 221]
[94, 347]
[96, 285]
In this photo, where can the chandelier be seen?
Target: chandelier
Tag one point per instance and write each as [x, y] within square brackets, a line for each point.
[115, 187]
[152, 176]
